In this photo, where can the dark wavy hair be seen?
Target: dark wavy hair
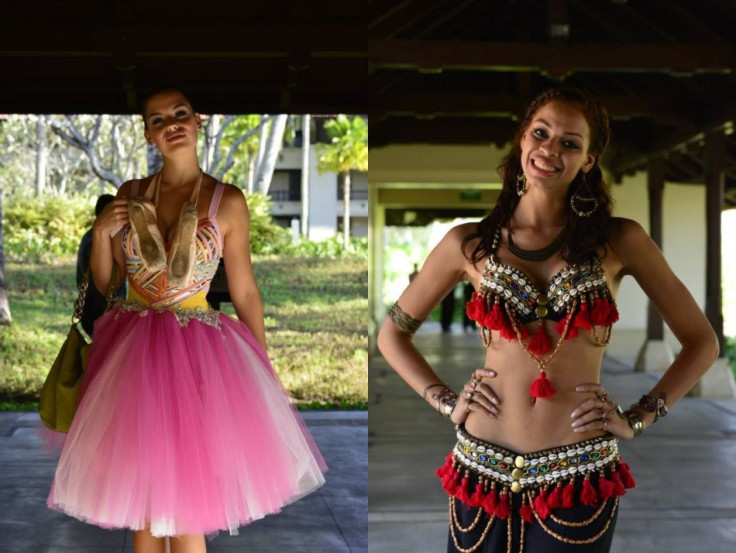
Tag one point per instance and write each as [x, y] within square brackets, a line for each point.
[582, 236]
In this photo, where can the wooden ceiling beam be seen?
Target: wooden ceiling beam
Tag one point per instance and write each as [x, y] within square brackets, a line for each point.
[497, 105]
[683, 59]
[338, 38]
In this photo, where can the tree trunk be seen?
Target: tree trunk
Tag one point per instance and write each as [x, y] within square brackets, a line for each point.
[5, 317]
[41, 154]
[264, 170]
[346, 209]
[305, 175]
[210, 135]
[251, 169]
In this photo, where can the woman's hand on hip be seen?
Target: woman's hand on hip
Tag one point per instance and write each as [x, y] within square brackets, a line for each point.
[476, 396]
[599, 413]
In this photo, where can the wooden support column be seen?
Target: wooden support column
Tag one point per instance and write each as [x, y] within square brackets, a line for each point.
[715, 162]
[655, 355]
[719, 381]
[655, 182]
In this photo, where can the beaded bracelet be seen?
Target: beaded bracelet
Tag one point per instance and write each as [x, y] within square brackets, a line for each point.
[656, 405]
[446, 400]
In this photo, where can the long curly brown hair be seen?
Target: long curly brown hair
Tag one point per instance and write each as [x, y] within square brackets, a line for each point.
[582, 237]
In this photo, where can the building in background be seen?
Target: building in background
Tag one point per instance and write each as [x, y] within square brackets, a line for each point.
[325, 191]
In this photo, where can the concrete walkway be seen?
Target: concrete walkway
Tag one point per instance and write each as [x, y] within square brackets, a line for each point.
[331, 520]
[685, 465]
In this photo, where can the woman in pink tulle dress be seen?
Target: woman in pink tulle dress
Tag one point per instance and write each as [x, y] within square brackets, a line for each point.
[183, 428]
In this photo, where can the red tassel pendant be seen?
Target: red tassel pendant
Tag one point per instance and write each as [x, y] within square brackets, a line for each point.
[539, 344]
[605, 488]
[540, 505]
[464, 491]
[526, 512]
[582, 319]
[554, 501]
[588, 496]
[502, 507]
[476, 500]
[568, 496]
[541, 387]
[626, 477]
[612, 316]
[618, 485]
[476, 307]
[490, 501]
[494, 319]
[599, 313]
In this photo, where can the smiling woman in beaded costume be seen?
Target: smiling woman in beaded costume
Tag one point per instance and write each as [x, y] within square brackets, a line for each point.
[183, 428]
[536, 467]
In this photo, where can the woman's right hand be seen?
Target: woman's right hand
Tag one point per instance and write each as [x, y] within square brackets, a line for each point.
[476, 396]
[114, 216]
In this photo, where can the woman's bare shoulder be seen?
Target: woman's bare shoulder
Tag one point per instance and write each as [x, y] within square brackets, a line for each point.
[626, 236]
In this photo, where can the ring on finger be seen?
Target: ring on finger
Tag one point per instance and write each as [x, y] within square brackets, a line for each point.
[473, 384]
[468, 395]
[602, 414]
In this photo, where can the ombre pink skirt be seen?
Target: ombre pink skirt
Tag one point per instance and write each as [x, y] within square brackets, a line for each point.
[182, 427]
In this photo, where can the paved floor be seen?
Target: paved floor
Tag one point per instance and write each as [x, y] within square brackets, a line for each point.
[331, 520]
[685, 465]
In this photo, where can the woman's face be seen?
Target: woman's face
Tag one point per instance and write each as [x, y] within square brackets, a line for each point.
[171, 124]
[555, 146]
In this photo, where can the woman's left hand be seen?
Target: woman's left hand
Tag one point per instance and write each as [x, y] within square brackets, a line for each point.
[599, 413]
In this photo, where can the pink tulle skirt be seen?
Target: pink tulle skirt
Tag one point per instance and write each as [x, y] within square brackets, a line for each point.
[183, 428]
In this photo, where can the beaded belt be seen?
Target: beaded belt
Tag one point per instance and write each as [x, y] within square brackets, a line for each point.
[588, 473]
[183, 315]
[533, 470]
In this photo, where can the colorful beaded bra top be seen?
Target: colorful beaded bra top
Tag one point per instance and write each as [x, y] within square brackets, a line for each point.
[577, 297]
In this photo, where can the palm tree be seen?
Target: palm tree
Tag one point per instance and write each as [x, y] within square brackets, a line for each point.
[347, 151]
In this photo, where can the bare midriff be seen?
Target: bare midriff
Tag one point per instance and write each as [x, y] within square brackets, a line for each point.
[524, 425]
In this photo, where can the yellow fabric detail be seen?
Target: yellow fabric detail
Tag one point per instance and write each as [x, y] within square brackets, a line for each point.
[192, 302]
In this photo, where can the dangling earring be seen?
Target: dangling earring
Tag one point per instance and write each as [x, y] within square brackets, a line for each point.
[521, 184]
[586, 201]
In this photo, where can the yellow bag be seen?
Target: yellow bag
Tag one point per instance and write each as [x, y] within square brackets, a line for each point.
[58, 401]
[59, 395]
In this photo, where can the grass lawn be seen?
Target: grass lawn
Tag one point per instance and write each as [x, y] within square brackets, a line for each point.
[315, 326]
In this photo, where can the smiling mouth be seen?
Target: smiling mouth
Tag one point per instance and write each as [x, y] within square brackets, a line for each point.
[541, 165]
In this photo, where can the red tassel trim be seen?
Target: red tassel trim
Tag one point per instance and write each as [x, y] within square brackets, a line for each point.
[490, 501]
[540, 504]
[612, 314]
[582, 319]
[527, 513]
[618, 485]
[588, 496]
[568, 496]
[464, 491]
[542, 387]
[442, 471]
[539, 344]
[502, 507]
[476, 500]
[494, 320]
[626, 477]
[572, 332]
[599, 312]
[554, 501]
[605, 488]
[476, 308]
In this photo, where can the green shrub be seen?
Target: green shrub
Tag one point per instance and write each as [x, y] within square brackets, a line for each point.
[730, 347]
[42, 229]
[331, 248]
[265, 236]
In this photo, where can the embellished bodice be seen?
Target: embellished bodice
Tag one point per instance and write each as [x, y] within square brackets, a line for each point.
[577, 298]
[153, 288]
[570, 283]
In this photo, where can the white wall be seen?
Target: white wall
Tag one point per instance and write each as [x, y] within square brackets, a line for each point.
[683, 240]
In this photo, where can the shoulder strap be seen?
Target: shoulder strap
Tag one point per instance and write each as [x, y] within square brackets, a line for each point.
[215, 202]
